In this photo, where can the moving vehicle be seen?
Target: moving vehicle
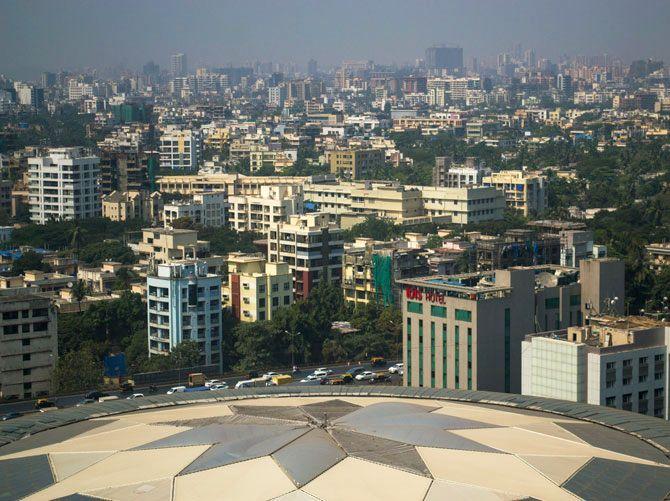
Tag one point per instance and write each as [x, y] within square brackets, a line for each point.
[196, 379]
[43, 403]
[196, 388]
[395, 369]
[365, 376]
[280, 379]
[322, 372]
[10, 415]
[176, 389]
[377, 361]
[354, 371]
[85, 401]
[95, 395]
[109, 397]
[135, 395]
[251, 383]
[212, 382]
[269, 375]
[219, 386]
[380, 377]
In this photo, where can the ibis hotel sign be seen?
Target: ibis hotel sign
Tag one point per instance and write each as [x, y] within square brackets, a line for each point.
[430, 295]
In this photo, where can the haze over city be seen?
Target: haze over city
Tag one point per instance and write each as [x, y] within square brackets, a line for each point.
[39, 34]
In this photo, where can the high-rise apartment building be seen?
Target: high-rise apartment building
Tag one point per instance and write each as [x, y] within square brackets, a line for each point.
[616, 362]
[184, 303]
[256, 288]
[127, 170]
[28, 345]
[64, 184]
[207, 209]
[354, 163]
[439, 57]
[313, 248]
[178, 67]
[272, 205]
[181, 149]
[465, 331]
[524, 191]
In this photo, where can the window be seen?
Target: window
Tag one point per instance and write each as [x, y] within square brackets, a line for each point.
[40, 312]
[643, 360]
[575, 300]
[552, 303]
[11, 329]
[26, 372]
[10, 315]
[438, 311]
[610, 401]
[275, 302]
[609, 384]
[26, 357]
[25, 313]
[261, 302]
[287, 300]
[658, 358]
[642, 378]
[25, 342]
[611, 366]
[287, 286]
[627, 381]
[627, 398]
[414, 307]
[463, 315]
[628, 362]
[275, 287]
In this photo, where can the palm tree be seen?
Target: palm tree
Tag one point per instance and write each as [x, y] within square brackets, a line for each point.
[79, 291]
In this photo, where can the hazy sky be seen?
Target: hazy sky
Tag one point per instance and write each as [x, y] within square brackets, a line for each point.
[38, 35]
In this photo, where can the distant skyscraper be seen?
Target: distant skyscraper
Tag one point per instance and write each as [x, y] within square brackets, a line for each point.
[530, 59]
[564, 85]
[311, 67]
[442, 57]
[48, 79]
[150, 69]
[178, 65]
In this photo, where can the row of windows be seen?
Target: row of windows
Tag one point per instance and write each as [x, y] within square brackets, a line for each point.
[439, 311]
[25, 328]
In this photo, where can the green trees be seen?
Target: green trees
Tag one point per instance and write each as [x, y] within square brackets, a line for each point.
[77, 370]
[95, 253]
[29, 261]
[225, 240]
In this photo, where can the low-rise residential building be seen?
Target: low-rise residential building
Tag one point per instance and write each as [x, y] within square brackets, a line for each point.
[396, 203]
[163, 245]
[102, 278]
[29, 344]
[206, 209]
[129, 205]
[616, 362]
[448, 174]
[524, 191]
[354, 163]
[272, 205]
[256, 288]
[313, 248]
[184, 303]
[658, 255]
[465, 331]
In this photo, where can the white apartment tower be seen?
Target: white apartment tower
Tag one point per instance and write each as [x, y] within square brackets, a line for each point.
[64, 185]
[184, 303]
[181, 149]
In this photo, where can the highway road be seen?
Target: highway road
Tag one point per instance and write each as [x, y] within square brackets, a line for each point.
[65, 401]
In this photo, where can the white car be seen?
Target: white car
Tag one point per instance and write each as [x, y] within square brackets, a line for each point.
[134, 396]
[365, 376]
[269, 375]
[395, 369]
[244, 384]
[176, 389]
[212, 382]
[319, 373]
[219, 386]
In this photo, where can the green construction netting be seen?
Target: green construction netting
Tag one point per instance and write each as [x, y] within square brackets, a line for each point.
[381, 276]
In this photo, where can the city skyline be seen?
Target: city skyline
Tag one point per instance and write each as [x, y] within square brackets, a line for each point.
[215, 34]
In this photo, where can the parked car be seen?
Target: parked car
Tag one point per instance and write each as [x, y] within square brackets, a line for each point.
[176, 389]
[135, 395]
[85, 401]
[10, 415]
[219, 386]
[365, 376]
[212, 382]
[395, 369]
[322, 372]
